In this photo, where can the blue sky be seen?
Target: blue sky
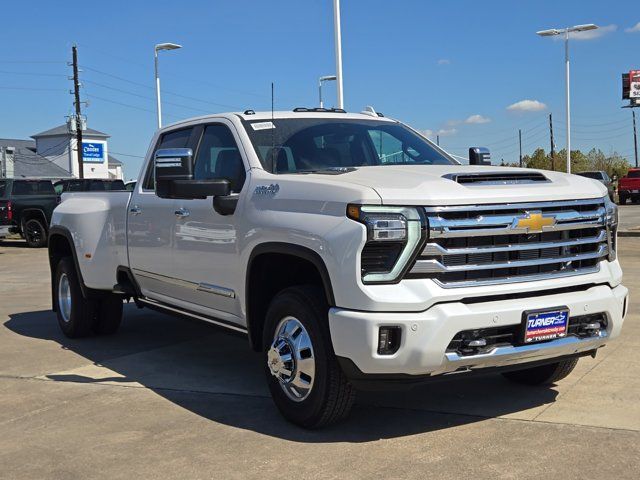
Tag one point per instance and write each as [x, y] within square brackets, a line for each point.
[451, 67]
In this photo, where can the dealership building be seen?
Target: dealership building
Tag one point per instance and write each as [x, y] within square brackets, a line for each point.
[53, 154]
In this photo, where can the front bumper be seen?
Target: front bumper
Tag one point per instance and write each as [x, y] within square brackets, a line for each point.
[426, 335]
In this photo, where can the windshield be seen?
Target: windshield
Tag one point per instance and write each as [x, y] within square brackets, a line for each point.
[633, 174]
[307, 145]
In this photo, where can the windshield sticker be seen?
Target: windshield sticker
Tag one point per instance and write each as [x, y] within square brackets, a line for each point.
[263, 125]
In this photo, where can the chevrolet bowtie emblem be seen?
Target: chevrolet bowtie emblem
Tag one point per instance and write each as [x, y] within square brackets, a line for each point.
[534, 222]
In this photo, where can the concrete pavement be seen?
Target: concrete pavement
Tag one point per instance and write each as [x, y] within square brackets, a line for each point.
[169, 398]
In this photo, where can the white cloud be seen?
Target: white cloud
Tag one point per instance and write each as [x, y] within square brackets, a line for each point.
[443, 132]
[477, 119]
[527, 106]
[634, 29]
[590, 34]
[444, 61]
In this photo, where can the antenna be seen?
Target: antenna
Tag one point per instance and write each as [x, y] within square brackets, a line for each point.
[273, 134]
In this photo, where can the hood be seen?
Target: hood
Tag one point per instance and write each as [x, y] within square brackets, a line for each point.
[455, 185]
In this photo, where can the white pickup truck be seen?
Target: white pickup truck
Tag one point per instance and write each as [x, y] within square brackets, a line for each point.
[351, 251]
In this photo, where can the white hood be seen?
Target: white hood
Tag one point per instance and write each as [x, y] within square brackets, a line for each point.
[426, 185]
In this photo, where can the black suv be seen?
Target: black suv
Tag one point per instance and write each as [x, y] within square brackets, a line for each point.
[87, 185]
[26, 207]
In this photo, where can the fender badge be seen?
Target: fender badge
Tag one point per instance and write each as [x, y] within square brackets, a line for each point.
[271, 190]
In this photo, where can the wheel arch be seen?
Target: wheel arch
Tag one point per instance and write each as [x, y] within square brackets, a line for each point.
[296, 265]
[33, 213]
[60, 245]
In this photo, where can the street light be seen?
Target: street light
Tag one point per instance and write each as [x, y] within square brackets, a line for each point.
[566, 31]
[161, 46]
[321, 80]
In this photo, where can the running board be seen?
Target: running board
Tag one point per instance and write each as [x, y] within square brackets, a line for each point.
[187, 313]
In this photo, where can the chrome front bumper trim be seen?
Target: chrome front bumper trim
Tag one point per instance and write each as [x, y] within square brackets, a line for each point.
[513, 355]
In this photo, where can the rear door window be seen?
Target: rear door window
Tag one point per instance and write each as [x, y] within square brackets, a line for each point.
[45, 187]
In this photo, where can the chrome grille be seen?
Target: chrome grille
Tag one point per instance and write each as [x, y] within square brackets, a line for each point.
[490, 244]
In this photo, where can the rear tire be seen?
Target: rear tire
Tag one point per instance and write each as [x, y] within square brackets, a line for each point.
[76, 314]
[34, 233]
[296, 339]
[544, 374]
[622, 200]
[109, 315]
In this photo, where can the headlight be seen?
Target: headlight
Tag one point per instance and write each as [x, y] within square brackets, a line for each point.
[394, 235]
[611, 222]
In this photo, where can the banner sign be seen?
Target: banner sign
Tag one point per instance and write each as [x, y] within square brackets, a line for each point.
[634, 84]
[92, 152]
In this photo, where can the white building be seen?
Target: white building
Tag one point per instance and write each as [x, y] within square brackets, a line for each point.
[53, 154]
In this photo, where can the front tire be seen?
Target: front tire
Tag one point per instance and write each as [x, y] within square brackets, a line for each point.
[544, 374]
[305, 380]
[76, 314]
[34, 233]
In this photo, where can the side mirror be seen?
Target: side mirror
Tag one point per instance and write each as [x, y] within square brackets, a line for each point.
[479, 156]
[173, 169]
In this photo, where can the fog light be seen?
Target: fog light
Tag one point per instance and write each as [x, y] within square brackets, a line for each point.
[389, 340]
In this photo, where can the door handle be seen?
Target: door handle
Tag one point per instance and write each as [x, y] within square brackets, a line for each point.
[135, 210]
[182, 213]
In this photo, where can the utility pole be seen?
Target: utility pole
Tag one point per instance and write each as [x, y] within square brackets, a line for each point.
[438, 140]
[520, 141]
[78, 119]
[553, 146]
[635, 136]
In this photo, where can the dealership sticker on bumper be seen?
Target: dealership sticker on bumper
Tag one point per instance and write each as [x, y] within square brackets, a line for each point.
[545, 325]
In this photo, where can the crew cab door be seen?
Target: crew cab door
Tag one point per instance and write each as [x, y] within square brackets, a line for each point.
[205, 245]
[150, 225]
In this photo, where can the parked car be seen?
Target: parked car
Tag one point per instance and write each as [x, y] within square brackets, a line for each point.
[26, 207]
[603, 178]
[351, 251]
[88, 185]
[629, 187]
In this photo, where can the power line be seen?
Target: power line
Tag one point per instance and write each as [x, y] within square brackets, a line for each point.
[126, 154]
[35, 74]
[127, 92]
[31, 89]
[127, 105]
[122, 79]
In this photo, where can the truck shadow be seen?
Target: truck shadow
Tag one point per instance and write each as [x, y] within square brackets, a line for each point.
[215, 375]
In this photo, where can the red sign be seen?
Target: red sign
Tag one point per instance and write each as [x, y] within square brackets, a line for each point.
[634, 84]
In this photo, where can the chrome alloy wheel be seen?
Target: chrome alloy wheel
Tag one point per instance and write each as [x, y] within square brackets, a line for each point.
[64, 297]
[291, 360]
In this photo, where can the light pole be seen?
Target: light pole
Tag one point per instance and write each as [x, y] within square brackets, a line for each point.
[161, 46]
[321, 80]
[566, 31]
[338, 42]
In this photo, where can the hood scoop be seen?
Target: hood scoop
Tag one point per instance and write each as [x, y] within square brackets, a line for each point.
[496, 178]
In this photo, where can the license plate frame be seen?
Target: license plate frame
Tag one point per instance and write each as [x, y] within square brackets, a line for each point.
[544, 330]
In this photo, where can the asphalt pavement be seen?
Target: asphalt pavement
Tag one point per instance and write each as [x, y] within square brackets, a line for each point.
[168, 398]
